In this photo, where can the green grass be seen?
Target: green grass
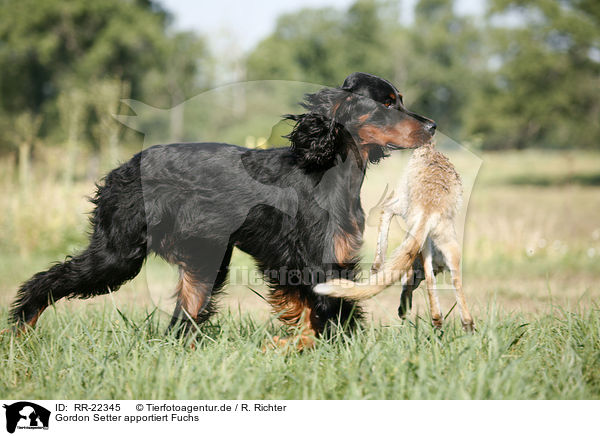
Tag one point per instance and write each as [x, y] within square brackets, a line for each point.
[532, 243]
[98, 353]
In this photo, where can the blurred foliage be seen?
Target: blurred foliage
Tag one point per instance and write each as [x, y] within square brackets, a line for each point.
[526, 74]
[545, 90]
[323, 46]
[53, 47]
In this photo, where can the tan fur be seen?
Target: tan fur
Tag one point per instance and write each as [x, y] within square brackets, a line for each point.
[400, 133]
[294, 311]
[428, 198]
[22, 327]
[192, 296]
[346, 247]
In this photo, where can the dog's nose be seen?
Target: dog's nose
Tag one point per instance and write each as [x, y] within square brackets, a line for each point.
[431, 126]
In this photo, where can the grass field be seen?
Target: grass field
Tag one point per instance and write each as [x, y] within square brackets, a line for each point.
[530, 272]
[96, 353]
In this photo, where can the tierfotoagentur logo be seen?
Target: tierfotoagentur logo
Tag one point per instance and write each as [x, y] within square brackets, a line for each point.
[26, 416]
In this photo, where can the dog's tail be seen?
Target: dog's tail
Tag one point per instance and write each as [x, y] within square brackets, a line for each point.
[93, 272]
[392, 270]
[115, 254]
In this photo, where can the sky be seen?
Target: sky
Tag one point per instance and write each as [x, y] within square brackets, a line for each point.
[247, 22]
[240, 25]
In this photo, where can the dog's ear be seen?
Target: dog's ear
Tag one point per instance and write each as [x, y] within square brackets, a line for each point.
[317, 137]
[315, 140]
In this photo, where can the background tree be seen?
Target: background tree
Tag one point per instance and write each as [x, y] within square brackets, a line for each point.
[545, 79]
[185, 70]
[72, 105]
[107, 130]
[434, 61]
[53, 45]
[525, 75]
[25, 127]
[439, 63]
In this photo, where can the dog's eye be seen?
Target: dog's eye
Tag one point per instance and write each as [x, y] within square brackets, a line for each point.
[387, 103]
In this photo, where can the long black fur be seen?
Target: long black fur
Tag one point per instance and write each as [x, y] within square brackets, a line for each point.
[192, 203]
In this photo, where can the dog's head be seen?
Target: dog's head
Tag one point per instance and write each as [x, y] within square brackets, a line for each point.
[366, 112]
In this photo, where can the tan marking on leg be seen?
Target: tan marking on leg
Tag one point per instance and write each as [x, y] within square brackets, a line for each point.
[295, 311]
[192, 295]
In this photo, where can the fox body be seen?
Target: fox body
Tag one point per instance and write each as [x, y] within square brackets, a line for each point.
[428, 197]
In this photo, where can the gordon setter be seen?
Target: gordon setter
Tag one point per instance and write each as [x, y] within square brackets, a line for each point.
[296, 210]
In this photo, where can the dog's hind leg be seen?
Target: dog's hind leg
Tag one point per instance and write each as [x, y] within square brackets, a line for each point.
[193, 295]
[198, 284]
[434, 303]
[295, 310]
[312, 317]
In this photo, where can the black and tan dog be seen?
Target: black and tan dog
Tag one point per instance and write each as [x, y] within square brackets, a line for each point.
[191, 204]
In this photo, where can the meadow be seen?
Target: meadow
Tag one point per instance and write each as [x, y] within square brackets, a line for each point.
[530, 272]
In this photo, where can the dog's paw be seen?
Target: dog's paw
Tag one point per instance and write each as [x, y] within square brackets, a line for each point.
[334, 288]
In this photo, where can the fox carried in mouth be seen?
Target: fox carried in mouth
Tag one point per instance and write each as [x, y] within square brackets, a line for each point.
[428, 198]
